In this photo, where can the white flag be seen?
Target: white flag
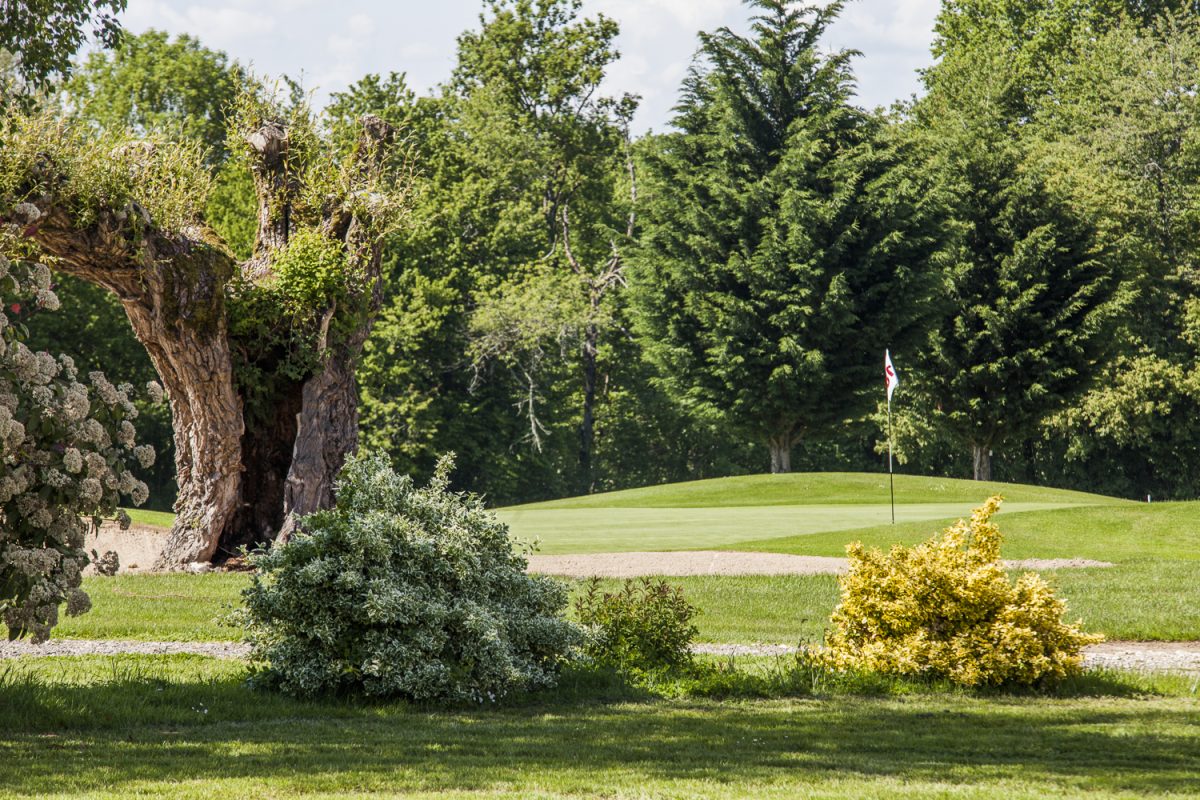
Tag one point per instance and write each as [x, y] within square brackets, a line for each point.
[889, 373]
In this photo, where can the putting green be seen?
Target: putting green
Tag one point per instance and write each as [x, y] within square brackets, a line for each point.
[616, 529]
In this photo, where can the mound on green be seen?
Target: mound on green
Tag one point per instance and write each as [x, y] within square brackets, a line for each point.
[721, 513]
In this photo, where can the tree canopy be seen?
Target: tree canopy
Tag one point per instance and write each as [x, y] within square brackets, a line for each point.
[788, 236]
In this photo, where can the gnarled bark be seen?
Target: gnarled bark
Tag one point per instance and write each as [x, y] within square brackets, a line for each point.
[241, 480]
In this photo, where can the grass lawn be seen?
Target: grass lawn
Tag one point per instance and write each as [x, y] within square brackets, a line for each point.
[726, 511]
[820, 489]
[1153, 593]
[1140, 600]
[142, 516]
[1106, 533]
[189, 727]
[619, 529]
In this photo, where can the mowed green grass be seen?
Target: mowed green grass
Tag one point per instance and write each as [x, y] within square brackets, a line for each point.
[1152, 594]
[157, 519]
[620, 529]
[187, 727]
[1140, 600]
[723, 512]
[819, 489]
[1114, 533]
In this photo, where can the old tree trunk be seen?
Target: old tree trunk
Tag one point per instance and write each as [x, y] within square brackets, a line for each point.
[244, 475]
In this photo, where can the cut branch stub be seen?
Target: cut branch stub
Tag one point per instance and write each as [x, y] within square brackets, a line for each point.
[275, 189]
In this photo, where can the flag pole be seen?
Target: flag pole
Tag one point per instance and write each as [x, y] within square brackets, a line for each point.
[891, 480]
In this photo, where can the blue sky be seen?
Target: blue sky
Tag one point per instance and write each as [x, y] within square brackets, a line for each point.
[332, 44]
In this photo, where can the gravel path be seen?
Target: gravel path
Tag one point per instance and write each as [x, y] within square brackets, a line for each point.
[113, 647]
[1136, 656]
[728, 562]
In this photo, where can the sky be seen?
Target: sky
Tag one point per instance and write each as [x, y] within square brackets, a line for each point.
[330, 45]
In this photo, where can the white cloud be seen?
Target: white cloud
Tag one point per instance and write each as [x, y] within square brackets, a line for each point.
[215, 25]
[335, 44]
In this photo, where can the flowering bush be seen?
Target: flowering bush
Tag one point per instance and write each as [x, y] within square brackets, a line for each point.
[646, 625]
[65, 446]
[403, 591]
[946, 608]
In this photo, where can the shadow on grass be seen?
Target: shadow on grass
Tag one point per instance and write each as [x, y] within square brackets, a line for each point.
[147, 730]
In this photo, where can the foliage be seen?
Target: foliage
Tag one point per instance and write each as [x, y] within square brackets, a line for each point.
[404, 591]
[644, 626]
[1037, 288]
[786, 238]
[310, 273]
[945, 609]
[97, 335]
[46, 35]
[102, 172]
[65, 452]
[150, 83]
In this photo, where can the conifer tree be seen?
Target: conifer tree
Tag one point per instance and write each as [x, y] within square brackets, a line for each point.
[788, 236]
[1037, 285]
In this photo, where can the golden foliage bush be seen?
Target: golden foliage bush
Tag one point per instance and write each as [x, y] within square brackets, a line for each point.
[946, 609]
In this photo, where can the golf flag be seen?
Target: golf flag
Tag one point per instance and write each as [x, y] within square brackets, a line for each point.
[889, 373]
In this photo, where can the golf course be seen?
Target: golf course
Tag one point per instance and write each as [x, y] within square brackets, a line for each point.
[1150, 593]
[109, 725]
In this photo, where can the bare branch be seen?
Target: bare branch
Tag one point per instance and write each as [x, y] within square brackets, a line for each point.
[566, 235]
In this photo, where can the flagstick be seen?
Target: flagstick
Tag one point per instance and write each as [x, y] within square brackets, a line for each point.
[891, 480]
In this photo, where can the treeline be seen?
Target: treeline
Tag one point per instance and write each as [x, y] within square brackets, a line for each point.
[574, 308]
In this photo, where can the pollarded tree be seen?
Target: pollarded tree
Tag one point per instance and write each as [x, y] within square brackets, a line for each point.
[787, 238]
[257, 356]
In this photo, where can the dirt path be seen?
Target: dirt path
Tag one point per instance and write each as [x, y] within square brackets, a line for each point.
[136, 548]
[1181, 657]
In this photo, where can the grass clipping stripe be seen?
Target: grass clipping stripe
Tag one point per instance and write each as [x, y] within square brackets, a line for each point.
[946, 609]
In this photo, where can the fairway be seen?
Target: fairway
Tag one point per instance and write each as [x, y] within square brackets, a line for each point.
[617, 529]
[725, 512]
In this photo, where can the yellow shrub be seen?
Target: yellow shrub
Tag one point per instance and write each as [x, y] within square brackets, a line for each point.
[945, 608]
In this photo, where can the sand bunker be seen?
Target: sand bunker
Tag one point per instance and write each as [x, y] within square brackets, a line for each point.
[724, 562]
[138, 549]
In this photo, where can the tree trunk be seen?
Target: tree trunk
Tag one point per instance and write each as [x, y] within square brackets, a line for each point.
[326, 433]
[781, 453]
[207, 418]
[587, 425]
[981, 459]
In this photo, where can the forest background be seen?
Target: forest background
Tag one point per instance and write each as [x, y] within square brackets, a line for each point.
[574, 308]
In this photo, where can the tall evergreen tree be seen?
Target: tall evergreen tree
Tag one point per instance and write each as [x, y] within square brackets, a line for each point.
[788, 236]
[1037, 285]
